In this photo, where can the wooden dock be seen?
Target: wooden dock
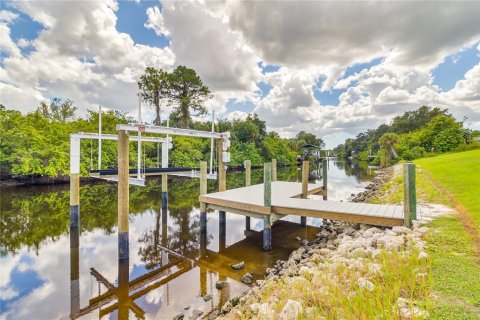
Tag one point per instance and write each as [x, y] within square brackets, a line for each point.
[272, 200]
[286, 200]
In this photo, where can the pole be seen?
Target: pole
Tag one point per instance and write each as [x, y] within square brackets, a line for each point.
[274, 170]
[203, 210]
[211, 142]
[222, 183]
[305, 170]
[248, 171]
[409, 194]
[123, 195]
[99, 137]
[325, 177]
[267, 202]
[139, 143]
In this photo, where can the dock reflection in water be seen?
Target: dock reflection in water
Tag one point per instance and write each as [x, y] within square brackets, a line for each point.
[171, 269]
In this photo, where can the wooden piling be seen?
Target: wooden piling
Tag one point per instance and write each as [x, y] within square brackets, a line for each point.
[74, 199]
[123, 195]
[248, 172]
[203, 190]
[409, 194]
[267, 185]
[222, 174]
[248, 181]
[325, 178]
[325, 174]
[274, 170]
[164, 190]
[222, 227]
[305, 171]
[267, 233]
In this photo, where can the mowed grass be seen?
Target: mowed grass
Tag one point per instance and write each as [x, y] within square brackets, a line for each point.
[459, 173]
[453, 180]
[455, 263]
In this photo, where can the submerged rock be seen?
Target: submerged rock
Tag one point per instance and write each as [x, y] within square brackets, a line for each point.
[220, 284]
[238, 266]
[247, 278]
[207, 297]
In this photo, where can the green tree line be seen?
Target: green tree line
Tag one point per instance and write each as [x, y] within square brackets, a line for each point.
[38, 144]
[415, 134]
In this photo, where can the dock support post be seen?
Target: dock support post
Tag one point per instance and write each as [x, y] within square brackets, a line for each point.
[274, 170]
[123, 195]
[305, 170]
[248, 181]
[267, 233]
[409, 194]
[74, 182]
[267, 202]
[222, 227]
[74, 227]
[222, 174]
[164, 190]
[267, 185]
[325, 178]
[203, 190]
[74, 272]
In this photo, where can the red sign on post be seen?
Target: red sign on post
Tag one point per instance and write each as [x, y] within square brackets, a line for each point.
[141, 128]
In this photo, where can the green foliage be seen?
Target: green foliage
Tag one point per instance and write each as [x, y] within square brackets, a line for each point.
[417, 119]
[58, 110]
[153, 87]
[186, 91]
[188, 152]
[182, 88]
[242, 151]
[275, 148]
[310, 138]
[423, 130]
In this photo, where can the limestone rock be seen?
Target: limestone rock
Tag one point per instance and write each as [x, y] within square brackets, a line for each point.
[291, 310]
[247, 278]
[238, 266]
[365, 284]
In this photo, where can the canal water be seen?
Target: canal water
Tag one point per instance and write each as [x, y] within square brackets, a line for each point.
[48, 271]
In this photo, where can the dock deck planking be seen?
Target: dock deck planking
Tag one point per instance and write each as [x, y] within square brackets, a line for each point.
[286, 201]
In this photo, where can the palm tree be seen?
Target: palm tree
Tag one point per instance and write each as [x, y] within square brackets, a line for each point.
[387, 152]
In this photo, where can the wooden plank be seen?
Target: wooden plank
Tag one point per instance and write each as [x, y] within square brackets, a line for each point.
[236, 211]
[355, 218]
[234, 205]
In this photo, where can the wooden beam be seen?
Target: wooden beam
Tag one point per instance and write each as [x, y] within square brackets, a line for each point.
[355, 218]
[236, 211]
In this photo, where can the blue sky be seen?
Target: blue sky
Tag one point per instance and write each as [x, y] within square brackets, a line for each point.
[252, 63]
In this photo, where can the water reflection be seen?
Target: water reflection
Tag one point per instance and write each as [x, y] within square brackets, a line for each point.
[172, 266]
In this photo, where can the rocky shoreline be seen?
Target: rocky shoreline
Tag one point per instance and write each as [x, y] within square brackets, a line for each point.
[338, 246]
[373, 189]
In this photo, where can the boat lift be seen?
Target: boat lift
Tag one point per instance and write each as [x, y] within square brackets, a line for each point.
[166, 144]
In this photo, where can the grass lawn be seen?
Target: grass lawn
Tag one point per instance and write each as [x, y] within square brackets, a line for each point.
[459, 173]
[454, 180]
[455, 264]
